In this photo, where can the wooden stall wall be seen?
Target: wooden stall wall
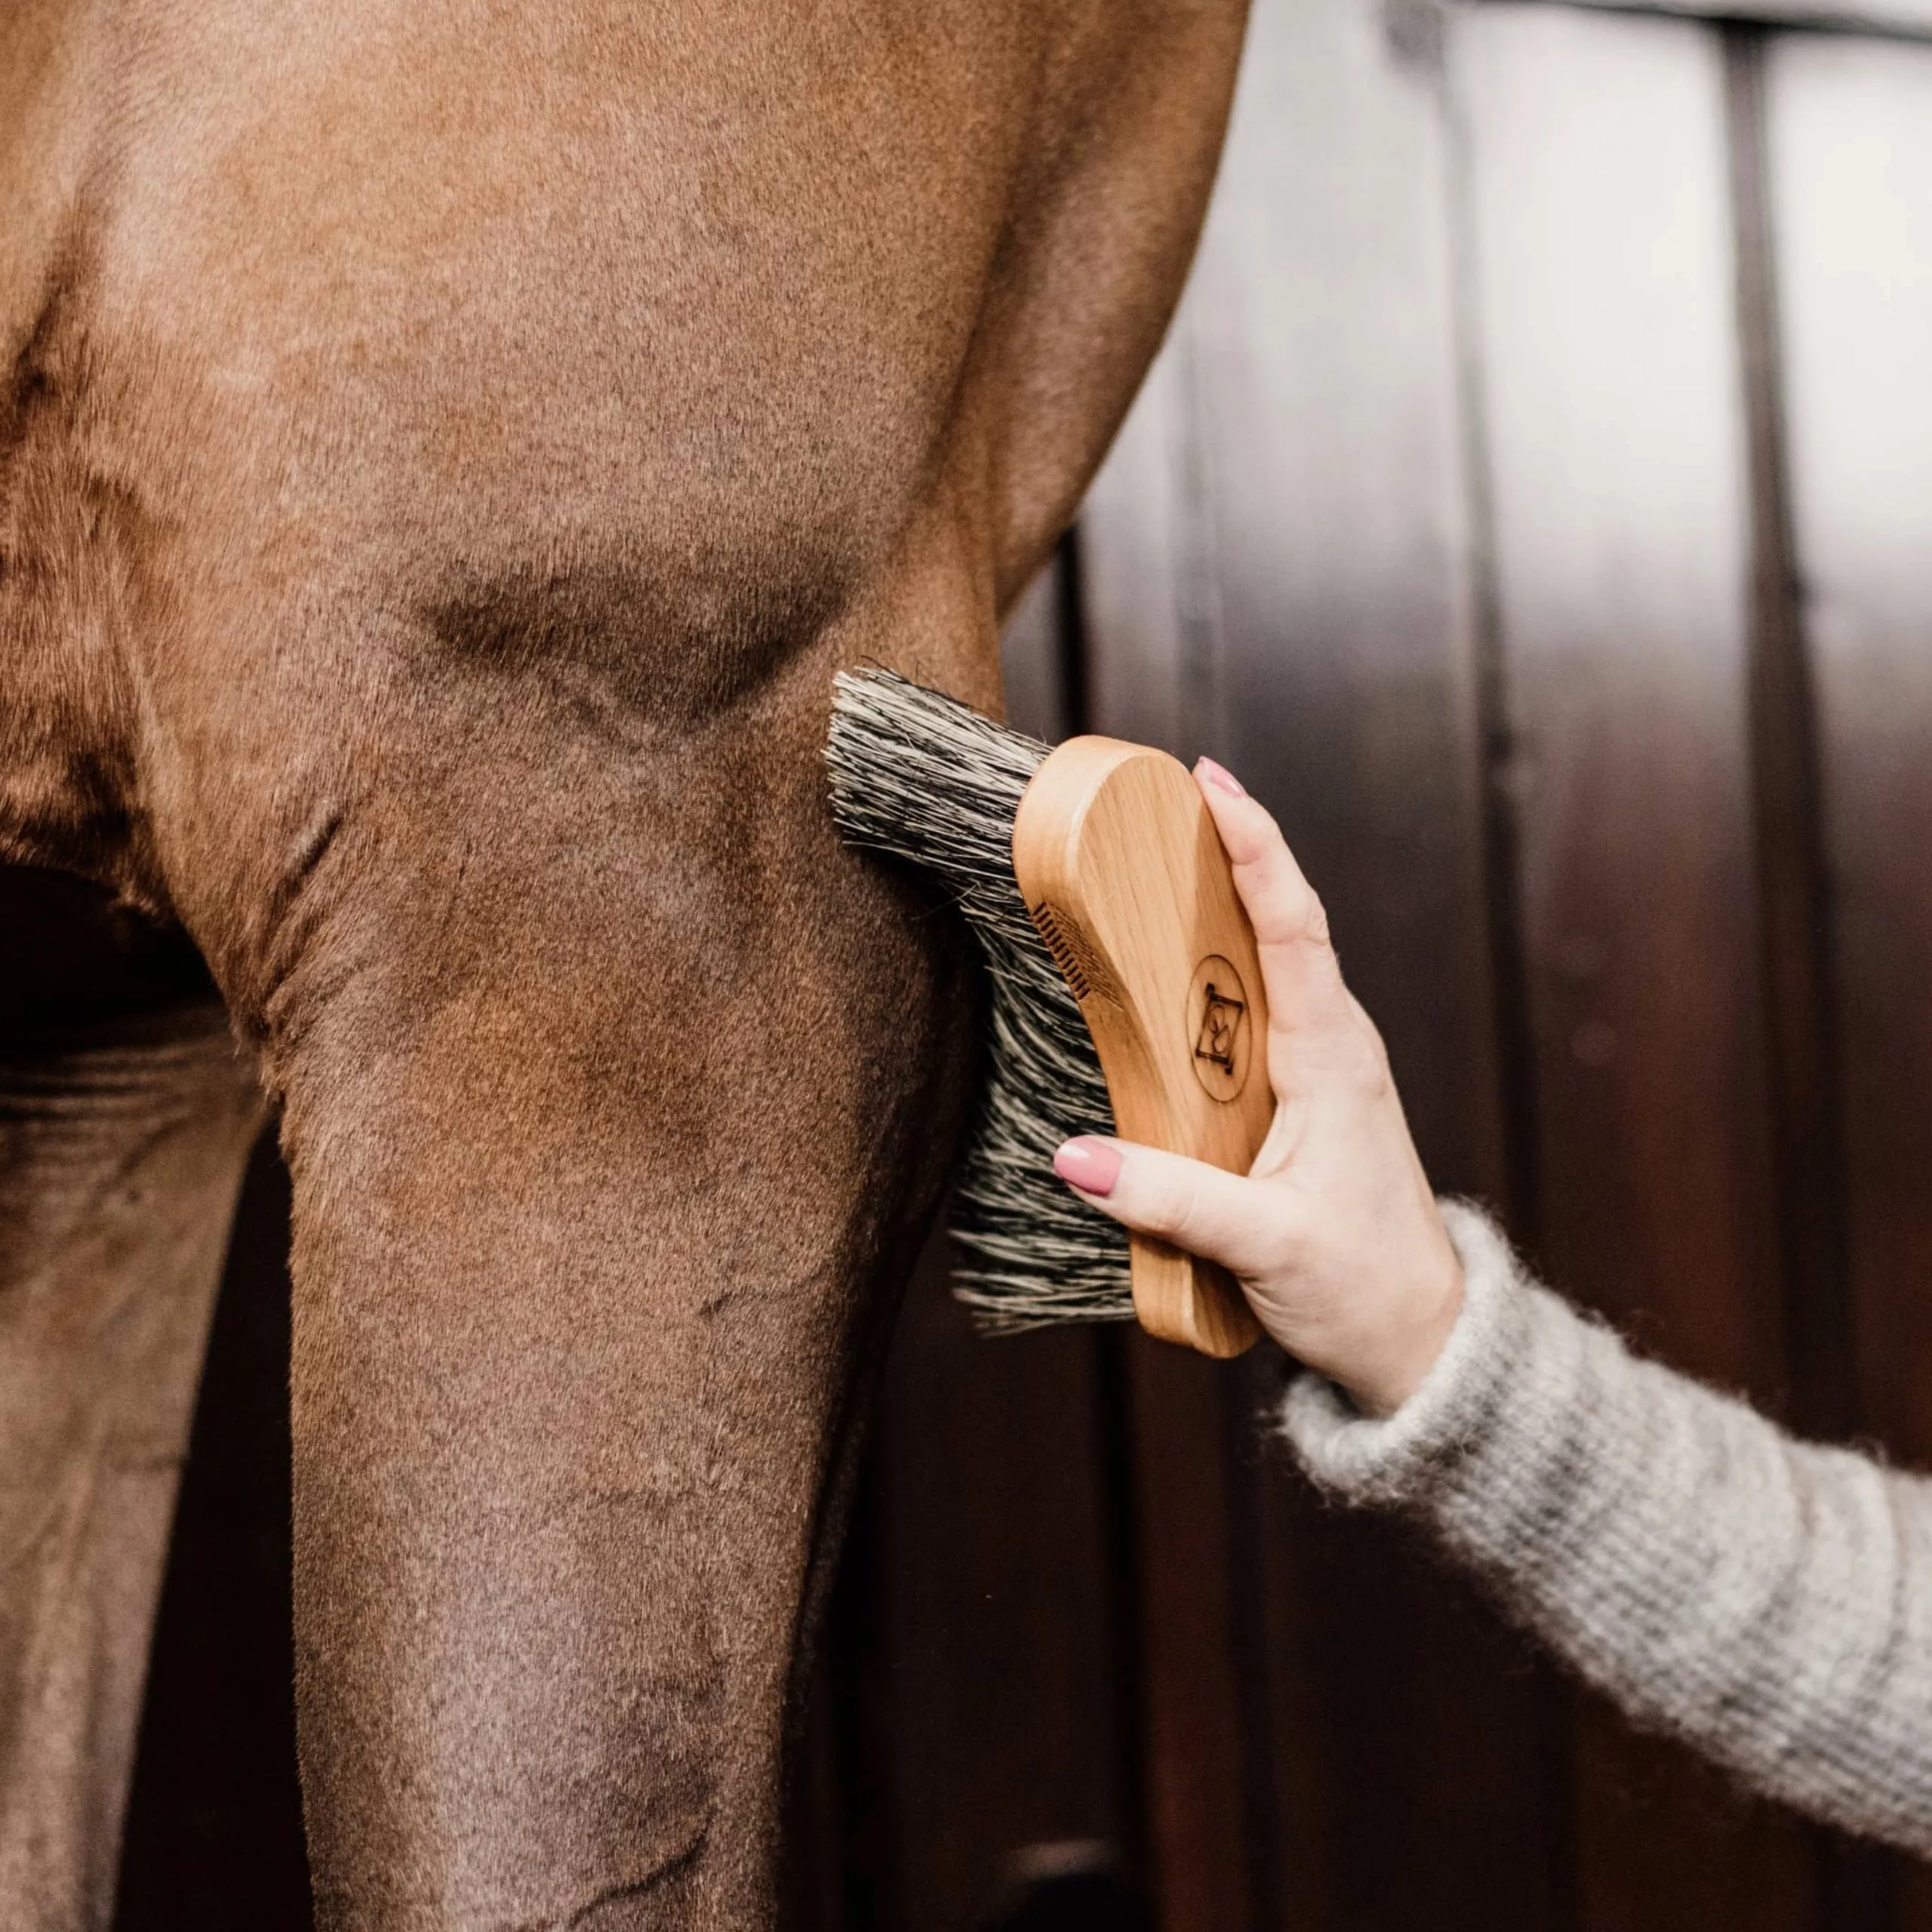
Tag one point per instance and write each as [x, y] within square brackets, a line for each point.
[1534, 504]
[1848, 147]
[1508, 509]
[1301, 606]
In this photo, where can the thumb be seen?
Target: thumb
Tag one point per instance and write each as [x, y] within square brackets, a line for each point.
[1203, 1209]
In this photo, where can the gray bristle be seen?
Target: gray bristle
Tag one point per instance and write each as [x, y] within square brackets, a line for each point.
[926, 779]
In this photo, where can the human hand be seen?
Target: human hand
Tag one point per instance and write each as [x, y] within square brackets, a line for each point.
[1334, 1233]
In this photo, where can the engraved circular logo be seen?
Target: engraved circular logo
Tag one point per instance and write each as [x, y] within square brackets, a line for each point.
[1220, 1032]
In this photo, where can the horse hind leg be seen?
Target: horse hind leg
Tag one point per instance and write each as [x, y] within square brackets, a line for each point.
[126, 1118]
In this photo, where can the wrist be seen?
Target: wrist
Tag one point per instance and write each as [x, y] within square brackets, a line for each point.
[1411, 1345]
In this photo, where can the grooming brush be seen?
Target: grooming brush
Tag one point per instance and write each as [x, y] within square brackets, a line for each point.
[1126, 993]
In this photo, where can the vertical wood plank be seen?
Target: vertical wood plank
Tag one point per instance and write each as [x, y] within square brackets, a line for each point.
[1604, 313]
[214, 1837]
[1807, 1144]
[1851, 153]
[1855, 1881]
[996, 1617]
[1196, 1670]
[1849, 139]
[1275, 567]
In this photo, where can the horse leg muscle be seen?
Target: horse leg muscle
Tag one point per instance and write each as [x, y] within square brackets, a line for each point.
[615, 1106]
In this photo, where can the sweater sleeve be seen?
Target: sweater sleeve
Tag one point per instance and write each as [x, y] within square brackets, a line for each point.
[1766, 1601]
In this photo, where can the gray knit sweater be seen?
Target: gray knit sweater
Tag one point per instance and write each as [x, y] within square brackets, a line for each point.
[1767, 1601]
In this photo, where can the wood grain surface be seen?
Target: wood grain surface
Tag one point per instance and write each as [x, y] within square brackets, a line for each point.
[1849, 149]
[1613, 434]
[1122, 868]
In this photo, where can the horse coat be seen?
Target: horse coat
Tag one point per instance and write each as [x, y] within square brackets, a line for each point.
[446, 449]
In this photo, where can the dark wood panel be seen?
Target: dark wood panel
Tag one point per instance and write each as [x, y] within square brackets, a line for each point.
[1857, 1882]
[1614, 438]
[1852, 160]
[1276, 563]
[997, 1622]
[213, 1837]
[1849, 149]
[1197, 1661]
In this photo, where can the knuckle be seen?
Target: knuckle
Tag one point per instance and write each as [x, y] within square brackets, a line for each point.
[1256, 828]
[1375, 1049]
[1277, 1250]
[1286, 1255]
[1314, 919]
[1370, 1054]
[1267, 843]
[1369, 1073]
[1179, 1207]
[1295, 915]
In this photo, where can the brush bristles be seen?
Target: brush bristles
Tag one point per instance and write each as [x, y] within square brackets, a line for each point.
[918, 776]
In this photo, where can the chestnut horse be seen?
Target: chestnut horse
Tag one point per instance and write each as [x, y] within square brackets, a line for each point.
[447, 449]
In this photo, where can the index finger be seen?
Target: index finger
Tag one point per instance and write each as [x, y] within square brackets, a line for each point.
[1298, 965]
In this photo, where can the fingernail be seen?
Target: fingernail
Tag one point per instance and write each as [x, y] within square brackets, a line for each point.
[1090, 1165]
[1220, 777]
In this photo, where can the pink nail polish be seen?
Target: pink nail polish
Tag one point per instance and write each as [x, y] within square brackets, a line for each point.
[1093, 1166]
[1220, 777]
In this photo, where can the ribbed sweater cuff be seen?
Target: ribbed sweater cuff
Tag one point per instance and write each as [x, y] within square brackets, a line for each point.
[1405, 1458]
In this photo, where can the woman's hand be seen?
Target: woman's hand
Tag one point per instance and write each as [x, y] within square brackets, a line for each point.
[1333, 1234]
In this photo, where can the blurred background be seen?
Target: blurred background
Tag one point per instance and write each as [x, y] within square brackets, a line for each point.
[1534, 506]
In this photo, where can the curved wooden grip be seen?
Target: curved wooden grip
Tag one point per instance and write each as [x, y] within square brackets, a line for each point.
[1122, 868]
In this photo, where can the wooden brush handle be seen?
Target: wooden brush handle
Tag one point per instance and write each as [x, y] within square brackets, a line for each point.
[1120, 866]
